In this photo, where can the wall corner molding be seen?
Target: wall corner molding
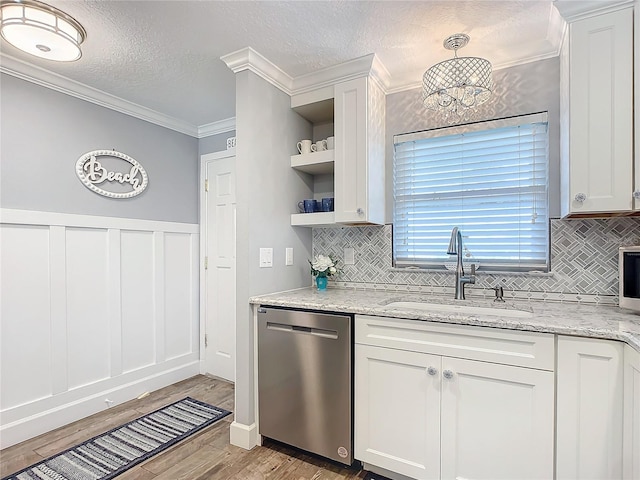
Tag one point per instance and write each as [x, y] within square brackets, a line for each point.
[215, 128]
[40, 76]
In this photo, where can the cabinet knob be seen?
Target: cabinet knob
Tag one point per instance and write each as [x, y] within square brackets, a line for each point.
[448, 374]
[360, 211]
[432, 370]
[580, 197]
[636, 194]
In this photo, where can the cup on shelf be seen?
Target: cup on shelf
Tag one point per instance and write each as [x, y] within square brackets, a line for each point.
[307, 206]
[304, 146]
[319, 146]
[327, 204]
[330, 143]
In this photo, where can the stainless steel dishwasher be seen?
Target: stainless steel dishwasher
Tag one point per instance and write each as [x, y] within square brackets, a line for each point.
[305, 383]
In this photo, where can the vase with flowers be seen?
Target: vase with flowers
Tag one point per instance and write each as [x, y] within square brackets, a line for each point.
[322, 267]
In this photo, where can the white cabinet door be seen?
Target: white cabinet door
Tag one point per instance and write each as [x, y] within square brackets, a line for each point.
[631, 414]
[589, 409]
[497, 421]
[397, 414]
[598, 173]
[359, 152]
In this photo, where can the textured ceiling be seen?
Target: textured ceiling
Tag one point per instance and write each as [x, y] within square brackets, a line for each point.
[165, 55]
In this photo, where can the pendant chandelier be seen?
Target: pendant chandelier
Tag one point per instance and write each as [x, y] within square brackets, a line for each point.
[457, 85]
[41, 30]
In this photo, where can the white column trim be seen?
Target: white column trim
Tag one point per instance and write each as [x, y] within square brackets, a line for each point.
[243, 436]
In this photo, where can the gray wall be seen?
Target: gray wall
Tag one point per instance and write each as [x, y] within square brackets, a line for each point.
[214, 143]
[44, 132]
[267, 193]
[533, 87]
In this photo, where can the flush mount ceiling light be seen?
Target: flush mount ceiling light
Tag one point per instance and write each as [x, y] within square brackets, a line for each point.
[41, 30]
[459, 84]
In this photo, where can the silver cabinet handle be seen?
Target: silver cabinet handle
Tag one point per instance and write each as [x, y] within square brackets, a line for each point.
[636, 194]
[448, 374]
[580, 197]
[432, 370]
[360, 211]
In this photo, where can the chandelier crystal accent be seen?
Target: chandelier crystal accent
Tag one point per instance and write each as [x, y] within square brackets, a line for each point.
[457, 85]
[41, 30]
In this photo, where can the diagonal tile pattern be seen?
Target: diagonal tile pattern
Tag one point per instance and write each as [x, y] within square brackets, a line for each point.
[584, 263]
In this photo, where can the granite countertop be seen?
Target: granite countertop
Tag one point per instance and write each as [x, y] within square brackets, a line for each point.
[562, 318]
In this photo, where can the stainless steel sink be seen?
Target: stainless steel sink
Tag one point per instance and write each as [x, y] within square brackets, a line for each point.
[456, 308]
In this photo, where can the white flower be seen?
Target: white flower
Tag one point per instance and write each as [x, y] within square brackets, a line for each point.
[322, 263]
[323, 266]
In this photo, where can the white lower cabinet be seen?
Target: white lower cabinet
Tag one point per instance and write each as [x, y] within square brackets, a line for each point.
[496, 421]
[430, 416]
[589, 409]
[631, 429]
[398, 411]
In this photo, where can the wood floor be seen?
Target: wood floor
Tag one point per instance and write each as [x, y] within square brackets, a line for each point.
[205, 455]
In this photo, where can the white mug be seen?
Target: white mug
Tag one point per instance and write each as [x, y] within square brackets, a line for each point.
[319, 146]
[304, 146]
[330, 143]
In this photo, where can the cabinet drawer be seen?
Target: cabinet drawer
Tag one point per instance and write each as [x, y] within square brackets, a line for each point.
[510, 347]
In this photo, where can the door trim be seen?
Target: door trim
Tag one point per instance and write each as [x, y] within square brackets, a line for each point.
[204, 159]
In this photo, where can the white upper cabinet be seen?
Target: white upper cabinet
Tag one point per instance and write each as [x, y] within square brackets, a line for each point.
[597, 116]
[357, 162]
[359, 155]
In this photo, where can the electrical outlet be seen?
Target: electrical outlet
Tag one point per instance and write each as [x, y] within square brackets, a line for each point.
[288, 256]
[349, 256]
[266, 257]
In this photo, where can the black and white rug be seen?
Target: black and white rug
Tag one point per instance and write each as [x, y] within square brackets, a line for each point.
[107, 455]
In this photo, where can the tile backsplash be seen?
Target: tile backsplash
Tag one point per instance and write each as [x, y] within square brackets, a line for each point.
[584, 263]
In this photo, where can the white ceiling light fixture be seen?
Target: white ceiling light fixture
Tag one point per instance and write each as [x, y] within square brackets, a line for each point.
[457, 85]
[41, 30]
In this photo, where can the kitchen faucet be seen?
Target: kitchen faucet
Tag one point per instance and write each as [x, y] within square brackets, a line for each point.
[455, 248]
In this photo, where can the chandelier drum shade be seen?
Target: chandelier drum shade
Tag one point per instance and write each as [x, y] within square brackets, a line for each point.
[41, 30]
[459, 84]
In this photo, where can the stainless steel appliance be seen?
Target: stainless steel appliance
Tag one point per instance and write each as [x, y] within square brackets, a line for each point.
[305, 387]
[629, 270]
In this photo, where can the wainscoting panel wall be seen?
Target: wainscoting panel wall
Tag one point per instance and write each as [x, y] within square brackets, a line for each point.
[94, 312]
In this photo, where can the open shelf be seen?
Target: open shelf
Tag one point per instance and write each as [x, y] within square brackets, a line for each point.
[317, 219]
[314, 163]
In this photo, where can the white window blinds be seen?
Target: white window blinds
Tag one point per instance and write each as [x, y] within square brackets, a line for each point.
[491, 183]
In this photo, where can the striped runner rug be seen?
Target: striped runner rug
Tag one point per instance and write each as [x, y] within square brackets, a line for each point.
[111, 453]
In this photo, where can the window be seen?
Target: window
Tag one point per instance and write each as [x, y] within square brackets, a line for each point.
[489, 179]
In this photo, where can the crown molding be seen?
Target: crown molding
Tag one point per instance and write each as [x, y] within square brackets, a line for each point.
[248, 59]
[39, 76]
[356, 68]
[215, 128]
[572, 11]
[522, 61]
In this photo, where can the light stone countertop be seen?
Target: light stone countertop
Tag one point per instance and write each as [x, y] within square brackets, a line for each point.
[562, 318]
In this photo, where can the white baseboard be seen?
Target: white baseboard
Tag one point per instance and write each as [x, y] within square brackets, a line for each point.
[243, 436]
[61, 415]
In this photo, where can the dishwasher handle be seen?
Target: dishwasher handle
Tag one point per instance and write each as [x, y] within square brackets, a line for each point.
[319, 332]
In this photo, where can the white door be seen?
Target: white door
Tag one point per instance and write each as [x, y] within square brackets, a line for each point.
[497, 421]
[220, 270]
[397, 410]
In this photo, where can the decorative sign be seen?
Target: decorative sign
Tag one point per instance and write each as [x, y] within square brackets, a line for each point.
[124, 175]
